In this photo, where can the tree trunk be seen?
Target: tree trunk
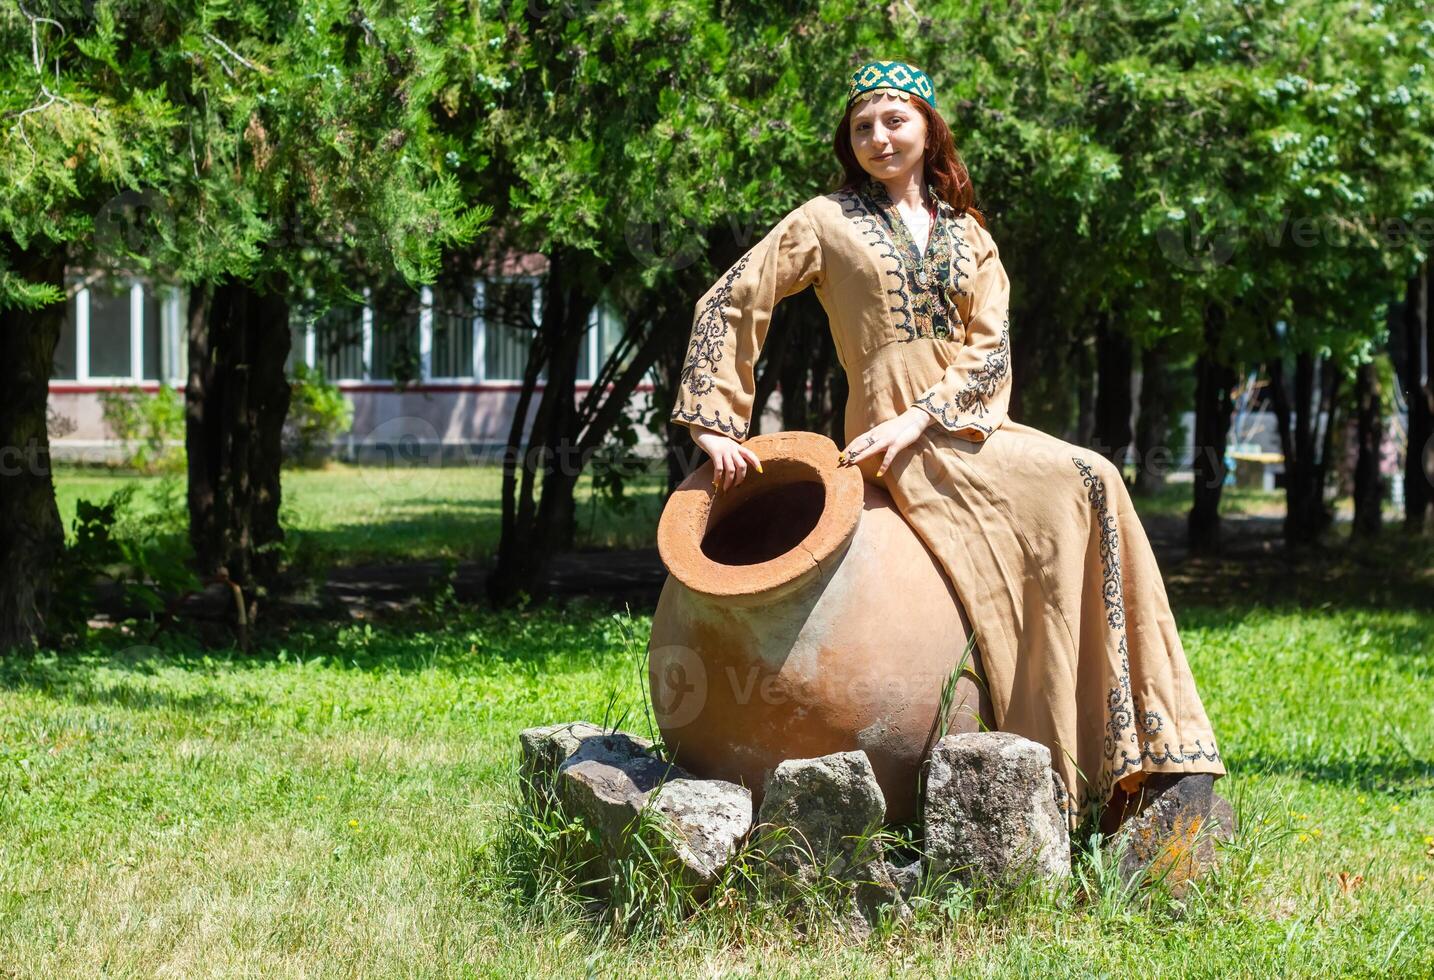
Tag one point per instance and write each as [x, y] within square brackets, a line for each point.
[1368, 481]
[1214, 404]
[1115, 358]
[1306, 452]
[535, 526]
[236, 399]
[1152, 425]
[31, 535]
[1418, 383]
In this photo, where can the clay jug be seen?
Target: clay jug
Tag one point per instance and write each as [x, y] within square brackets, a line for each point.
[803, 616]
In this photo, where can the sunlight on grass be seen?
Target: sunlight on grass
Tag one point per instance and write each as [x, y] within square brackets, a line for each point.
[328, 806]
[366, 513]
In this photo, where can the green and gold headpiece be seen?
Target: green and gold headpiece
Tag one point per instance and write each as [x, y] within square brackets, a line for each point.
[896, 77]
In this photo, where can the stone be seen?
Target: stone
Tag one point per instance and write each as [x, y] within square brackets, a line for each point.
[607, 778]
[711, 818]
[546, 748]
[1167, 840]
[611, 778]
[906, 877]
[991, 813]
[822, 804]
[886, 884]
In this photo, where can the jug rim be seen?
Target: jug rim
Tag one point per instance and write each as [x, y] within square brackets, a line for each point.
[787, 457]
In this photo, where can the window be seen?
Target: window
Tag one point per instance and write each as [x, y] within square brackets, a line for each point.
[604, 332]
[338, 343]
[65, 368]
[174, 336]
[152, 336]
[454, 315]
[110, 332]
[121, 331]
[509, 322]
[298, 340]
[395, 335]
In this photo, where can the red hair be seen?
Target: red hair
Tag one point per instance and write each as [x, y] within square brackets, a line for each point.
[945, 172]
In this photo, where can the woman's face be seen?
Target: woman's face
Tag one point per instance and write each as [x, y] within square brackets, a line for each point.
[888, 136]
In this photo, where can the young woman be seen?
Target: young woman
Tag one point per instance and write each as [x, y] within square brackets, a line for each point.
[1038, 536]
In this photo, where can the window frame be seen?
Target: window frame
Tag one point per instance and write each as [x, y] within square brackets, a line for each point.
[173, 355]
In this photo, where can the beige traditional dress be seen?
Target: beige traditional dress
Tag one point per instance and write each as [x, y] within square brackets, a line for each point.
[1038, 536]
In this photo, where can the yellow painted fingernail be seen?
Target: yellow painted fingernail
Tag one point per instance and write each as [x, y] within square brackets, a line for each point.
[759, 466]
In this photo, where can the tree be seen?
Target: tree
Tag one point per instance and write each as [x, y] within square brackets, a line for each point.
[68, 148]
[1416, 376]
[303, 164]
[637, 145]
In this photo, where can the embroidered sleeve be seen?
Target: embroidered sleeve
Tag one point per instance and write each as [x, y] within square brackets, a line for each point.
[730, 324]
[972, 396]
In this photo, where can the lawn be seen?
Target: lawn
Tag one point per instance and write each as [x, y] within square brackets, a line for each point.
[326, 807]
[329, 805]
[370, 513]
[374, 513]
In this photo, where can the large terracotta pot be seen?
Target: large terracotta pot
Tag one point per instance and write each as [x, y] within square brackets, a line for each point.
[803, 616]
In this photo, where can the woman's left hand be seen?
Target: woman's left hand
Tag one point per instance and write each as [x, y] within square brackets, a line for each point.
[890, 438]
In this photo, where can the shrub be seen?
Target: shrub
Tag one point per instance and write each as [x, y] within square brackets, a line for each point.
[150, 427]
[142, 549]
[318, 413]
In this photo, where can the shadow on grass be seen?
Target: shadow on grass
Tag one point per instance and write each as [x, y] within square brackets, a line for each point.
[1403, 774]
[541, 641]
[469, 534]
[1393, 572]
[73, 680]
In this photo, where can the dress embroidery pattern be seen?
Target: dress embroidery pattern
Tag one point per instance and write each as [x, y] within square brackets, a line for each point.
[928, 278]
[1124, 749]
[980, 385]
[857, 208]
[704, 351]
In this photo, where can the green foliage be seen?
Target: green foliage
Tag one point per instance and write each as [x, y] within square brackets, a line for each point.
[145, 554]
[318, 414]
[73, 137]
[149, 425]
[616, 465]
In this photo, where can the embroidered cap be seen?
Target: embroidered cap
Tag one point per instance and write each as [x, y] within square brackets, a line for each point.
[894, 77]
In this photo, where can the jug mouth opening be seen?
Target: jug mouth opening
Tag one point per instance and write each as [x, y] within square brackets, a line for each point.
[768, 534]
[764, 526]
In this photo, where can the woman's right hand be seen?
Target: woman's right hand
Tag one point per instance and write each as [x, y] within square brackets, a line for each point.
[729, 457]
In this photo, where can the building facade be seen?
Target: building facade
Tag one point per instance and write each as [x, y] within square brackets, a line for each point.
[428, 368]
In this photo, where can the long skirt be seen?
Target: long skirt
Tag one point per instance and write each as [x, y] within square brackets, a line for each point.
[1077, 642]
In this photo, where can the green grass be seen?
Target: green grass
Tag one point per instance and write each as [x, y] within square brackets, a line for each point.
[354, 514]
[1173, 500]
[328, 806]
[368, 513]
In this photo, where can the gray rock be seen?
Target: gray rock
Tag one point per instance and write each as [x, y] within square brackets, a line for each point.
[884, 885]
[905, 877]
[710, 816]
[545, 749]
[1168, 838]
[991, 814]
[820, 805]
[607, 778]
[610, 779]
